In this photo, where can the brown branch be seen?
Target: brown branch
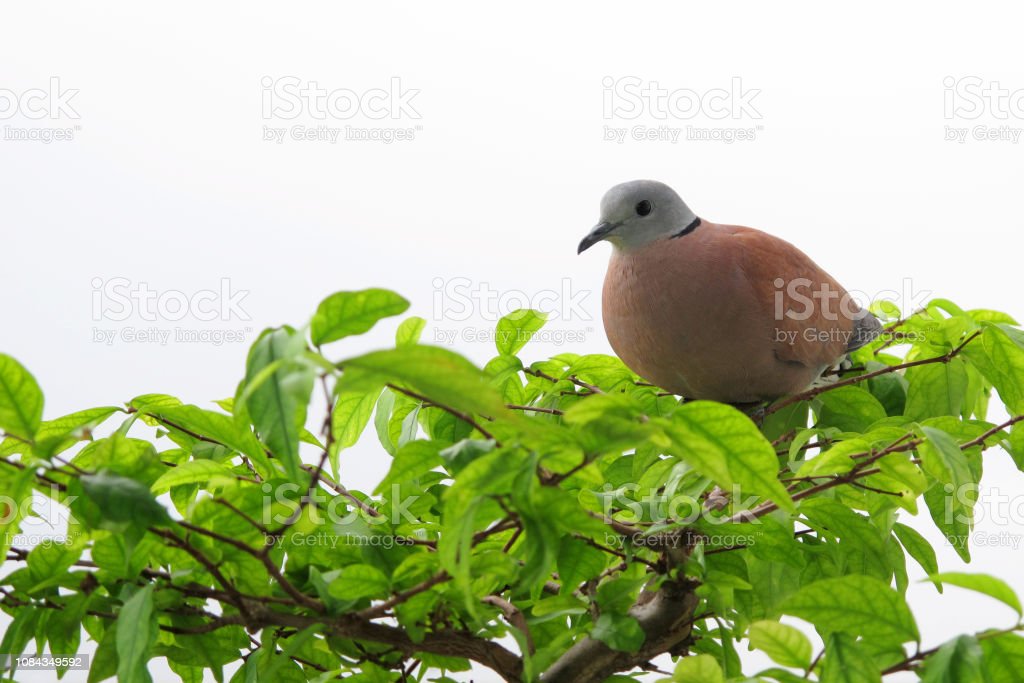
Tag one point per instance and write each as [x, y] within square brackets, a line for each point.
[232, 593]
[247, 518]
[272, 569]
[341, 490]
[889, 329]
[514, 616]
[398, 598]
[913, 660]
[980, 439]
[811, 393]
[572, 378]
[862, 469]
[586, 385]
[666, 617]
[451, 411]
[535, 409]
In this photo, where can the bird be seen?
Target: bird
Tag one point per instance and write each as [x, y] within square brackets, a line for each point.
[714, 311]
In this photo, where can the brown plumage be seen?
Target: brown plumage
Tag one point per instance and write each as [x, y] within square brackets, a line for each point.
[718, 312]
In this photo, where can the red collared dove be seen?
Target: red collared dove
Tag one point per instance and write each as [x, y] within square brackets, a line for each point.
[720, 312]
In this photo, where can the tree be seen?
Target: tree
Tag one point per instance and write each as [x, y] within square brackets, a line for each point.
[561, 521]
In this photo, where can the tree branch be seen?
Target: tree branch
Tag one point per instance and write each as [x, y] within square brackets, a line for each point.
[666, 617]
[811, 393]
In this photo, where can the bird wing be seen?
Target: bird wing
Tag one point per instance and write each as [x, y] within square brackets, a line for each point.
[791, 290]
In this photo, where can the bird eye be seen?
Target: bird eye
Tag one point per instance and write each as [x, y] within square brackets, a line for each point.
[644, 208]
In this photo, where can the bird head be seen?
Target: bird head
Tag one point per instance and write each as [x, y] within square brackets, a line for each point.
[637, 213]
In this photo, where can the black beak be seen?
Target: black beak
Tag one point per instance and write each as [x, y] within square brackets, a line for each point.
[599, 232]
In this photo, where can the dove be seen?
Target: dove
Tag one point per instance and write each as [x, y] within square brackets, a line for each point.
[714, 311]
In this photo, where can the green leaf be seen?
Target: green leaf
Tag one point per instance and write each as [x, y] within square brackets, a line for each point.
[957, 661]
[847, 662]
[951, 498]
[104, 662]
[619, 632]
[982, 583]
[351, 413]
[1015, 445]
[850, 408]
[951, 516]
[490, 472]
[942, 458]
[936, 389]
[21, 400]
[442, 376]
[382, 419]
[618, 595]
[408, 333]
[207, 424]
[784, 644]
[122, 501]
[191, 472]
[277, 403]
[136, 634]
[118, 454]
[19, 631]
[57, 435]
[344, 314]
[857, 605]
[16, 491]
[862, 544]
[64, 627]
[516, 329]
[578, 562]
[836, 460]
[709, 436]
[411, 461]
[698, 669]
[1003, 657]
[918, 547]
[359, 581]
[1001, 361]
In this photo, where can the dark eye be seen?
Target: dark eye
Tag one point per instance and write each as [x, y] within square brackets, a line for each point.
[644, 208]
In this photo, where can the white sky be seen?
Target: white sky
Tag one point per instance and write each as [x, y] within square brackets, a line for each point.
[168, 180]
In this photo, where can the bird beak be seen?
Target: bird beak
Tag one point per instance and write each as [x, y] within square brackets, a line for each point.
[599, 232]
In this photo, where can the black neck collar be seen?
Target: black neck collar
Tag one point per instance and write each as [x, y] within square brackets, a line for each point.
[694, 224]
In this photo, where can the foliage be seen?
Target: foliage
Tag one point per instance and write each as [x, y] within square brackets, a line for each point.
[592, 518]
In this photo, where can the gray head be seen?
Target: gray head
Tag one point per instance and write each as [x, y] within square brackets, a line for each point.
[637, 213]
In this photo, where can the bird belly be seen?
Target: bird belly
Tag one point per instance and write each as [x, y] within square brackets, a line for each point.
[686, 340]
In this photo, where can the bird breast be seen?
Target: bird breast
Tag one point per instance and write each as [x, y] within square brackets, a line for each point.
[689, 315]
